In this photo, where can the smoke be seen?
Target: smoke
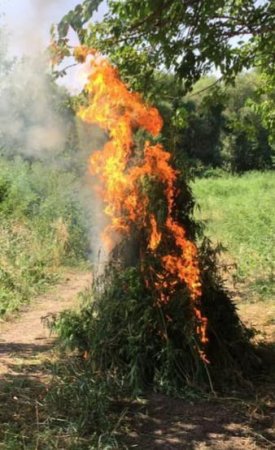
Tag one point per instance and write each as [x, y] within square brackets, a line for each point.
[41, 7]
[30, 123]
[91, 138]
[30, 25]
[97, 221]
[37, 124]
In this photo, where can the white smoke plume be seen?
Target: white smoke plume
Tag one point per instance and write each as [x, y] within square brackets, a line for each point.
[29, 120]
[29, 22]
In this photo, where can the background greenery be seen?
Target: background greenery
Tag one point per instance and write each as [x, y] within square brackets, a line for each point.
[237, 212]
[43, 228]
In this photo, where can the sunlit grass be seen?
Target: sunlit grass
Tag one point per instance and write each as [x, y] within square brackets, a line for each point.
[238, 212]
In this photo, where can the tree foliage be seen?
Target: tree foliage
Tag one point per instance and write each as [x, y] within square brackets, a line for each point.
[190, 37]
[219, 126]
[225, 126]
[246, 138]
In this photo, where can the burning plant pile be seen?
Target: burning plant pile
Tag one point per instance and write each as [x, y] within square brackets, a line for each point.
[159, 315]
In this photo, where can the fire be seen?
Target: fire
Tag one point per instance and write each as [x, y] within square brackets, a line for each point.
[123, 169]
[155, 237]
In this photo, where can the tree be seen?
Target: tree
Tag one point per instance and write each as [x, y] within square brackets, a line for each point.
[201, 137]
[190, 37]
[246, 138]
[187, 38]
[266, 108]
[218, 127]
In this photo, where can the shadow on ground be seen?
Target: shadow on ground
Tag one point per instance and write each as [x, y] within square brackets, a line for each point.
[236, 422]
[173, 424]
[157, 423]
[20, 350]
[21, 390]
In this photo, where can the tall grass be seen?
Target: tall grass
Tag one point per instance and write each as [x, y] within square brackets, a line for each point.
[42, 228]
[238, 212]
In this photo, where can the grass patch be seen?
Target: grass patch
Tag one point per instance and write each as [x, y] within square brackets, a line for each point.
[238, 212]
[69, 409]
[42, 228]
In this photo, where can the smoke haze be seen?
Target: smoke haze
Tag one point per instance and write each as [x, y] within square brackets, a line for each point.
[34, 120]
[29, 22]
[29, 121]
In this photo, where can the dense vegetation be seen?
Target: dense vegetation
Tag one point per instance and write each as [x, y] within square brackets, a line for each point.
[43, 219]
[219, 126]
[189, 37]
[42, 229]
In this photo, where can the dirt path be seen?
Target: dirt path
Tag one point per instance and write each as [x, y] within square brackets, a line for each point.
[27, 337]
[27, 355]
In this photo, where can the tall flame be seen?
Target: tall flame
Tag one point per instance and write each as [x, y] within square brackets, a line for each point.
[122, 172]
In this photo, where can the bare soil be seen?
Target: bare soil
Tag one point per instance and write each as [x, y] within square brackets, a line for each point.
[28, 335]
[217, 424]
[26, 357]
[158, 422]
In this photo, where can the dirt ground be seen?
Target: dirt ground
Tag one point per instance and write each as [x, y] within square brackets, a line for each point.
[28, 334]
[156, 423]
[221, 424]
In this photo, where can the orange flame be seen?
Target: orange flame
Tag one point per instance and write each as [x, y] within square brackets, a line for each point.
[155, 237]
[121, 112]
